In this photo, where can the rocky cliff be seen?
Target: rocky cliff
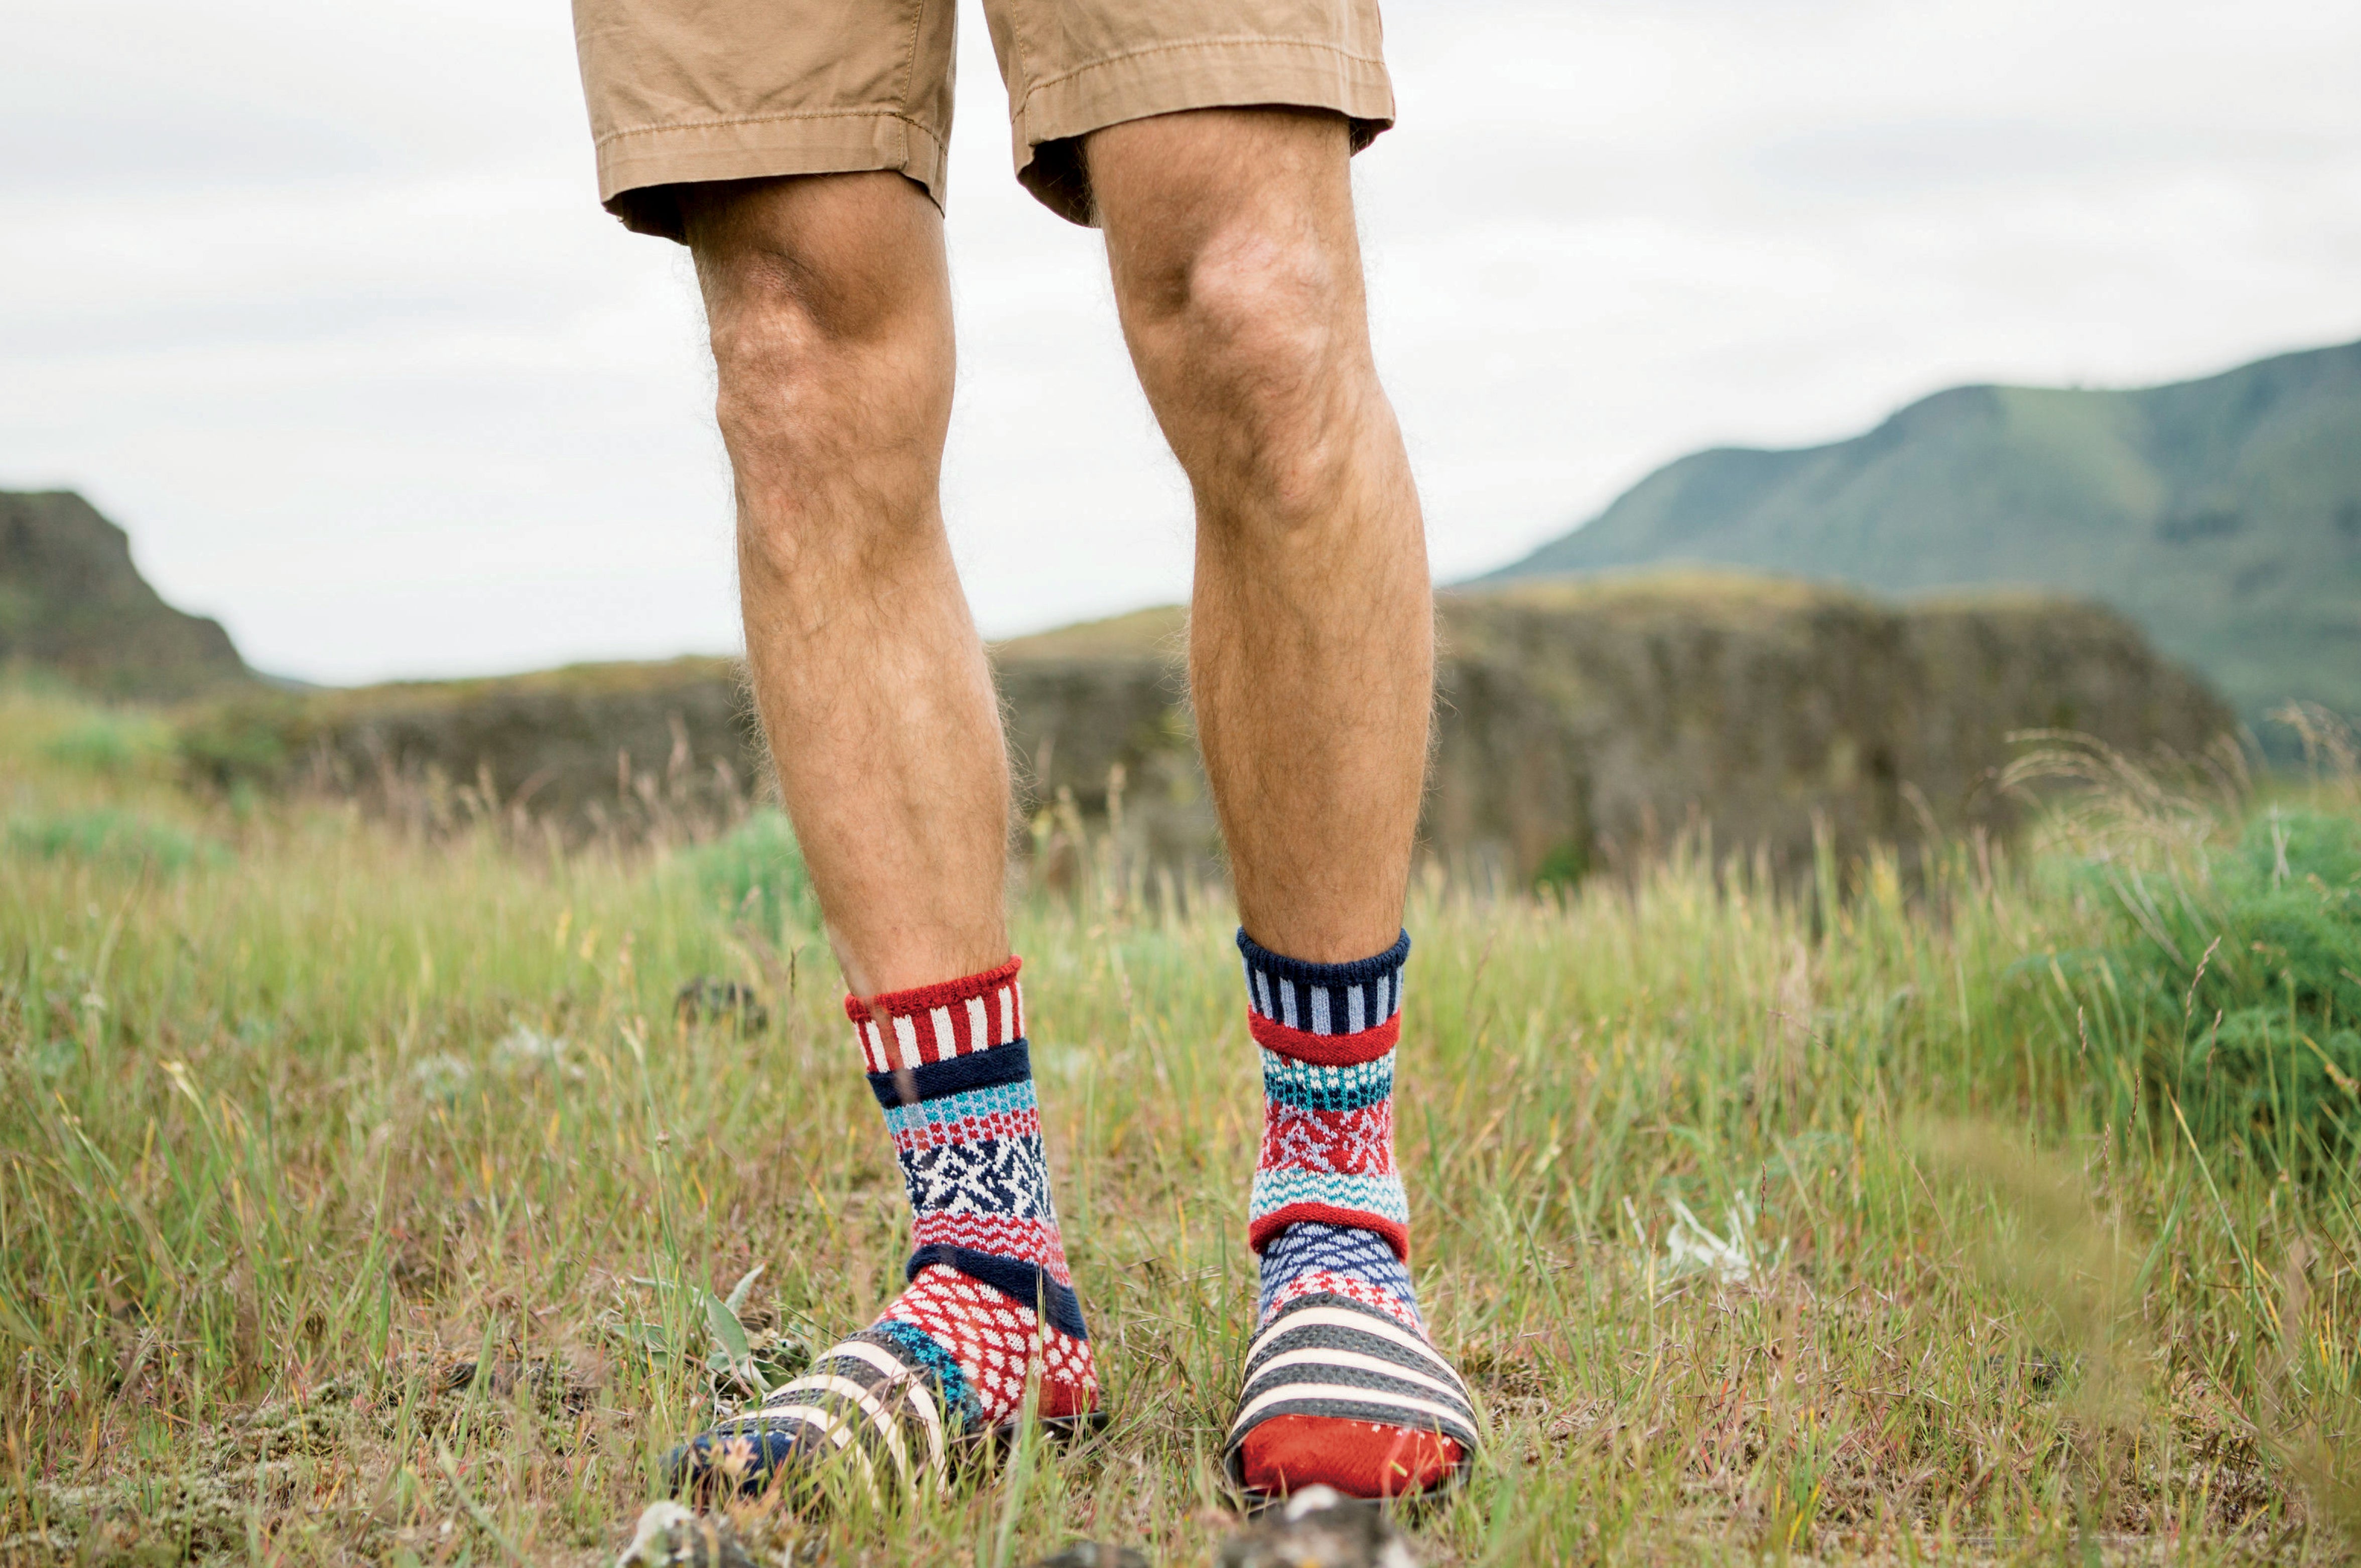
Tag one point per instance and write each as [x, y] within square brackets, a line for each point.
[1577, 721]
[587, 748]
[72, 601]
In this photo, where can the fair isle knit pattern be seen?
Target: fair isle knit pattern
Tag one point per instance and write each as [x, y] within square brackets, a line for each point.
[989, 1301]
[1327, 1034]
[1340, 1369]
[1313, 1259]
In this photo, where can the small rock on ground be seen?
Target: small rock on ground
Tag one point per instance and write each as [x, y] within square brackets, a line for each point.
[1091, 1554]
[707, 999]
[670, 1536]
[1318, 1529]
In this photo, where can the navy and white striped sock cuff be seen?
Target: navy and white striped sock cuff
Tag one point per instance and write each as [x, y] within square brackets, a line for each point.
[1324, 999]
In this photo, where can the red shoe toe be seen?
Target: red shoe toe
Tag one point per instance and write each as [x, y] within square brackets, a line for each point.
[1286, 1453]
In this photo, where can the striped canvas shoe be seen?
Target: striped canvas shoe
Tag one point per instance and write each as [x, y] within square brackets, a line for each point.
[1344, 1394]
[889, 1410]
[873, 1411]
[1343, 1386]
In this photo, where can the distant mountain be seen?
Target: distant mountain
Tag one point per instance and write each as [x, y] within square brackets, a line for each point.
[2222, 515]
[72, 601]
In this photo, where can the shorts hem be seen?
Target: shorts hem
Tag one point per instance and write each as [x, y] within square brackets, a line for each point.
[1188, 74]
[637, 167]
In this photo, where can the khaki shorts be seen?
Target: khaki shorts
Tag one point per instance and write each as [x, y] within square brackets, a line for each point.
[683, 91]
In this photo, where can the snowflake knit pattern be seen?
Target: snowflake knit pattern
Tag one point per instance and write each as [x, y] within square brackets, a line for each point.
[989, 1301]
[1343, 1387]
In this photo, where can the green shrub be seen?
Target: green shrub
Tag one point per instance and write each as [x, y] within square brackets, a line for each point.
[112, 839]
[756, 874]
[1562, 868]
[2262, 969]
[112, 744]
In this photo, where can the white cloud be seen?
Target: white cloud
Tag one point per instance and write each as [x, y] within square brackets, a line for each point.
[316, 301]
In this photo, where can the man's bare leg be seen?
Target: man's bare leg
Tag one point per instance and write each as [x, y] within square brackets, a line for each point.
[1310, 637]
[829, 309]
[830, 317]
[1238, 275]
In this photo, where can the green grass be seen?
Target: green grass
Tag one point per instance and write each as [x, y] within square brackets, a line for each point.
[1871, 1222]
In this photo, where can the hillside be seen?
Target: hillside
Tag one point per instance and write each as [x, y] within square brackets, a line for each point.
[2222, 515]
[72, 601]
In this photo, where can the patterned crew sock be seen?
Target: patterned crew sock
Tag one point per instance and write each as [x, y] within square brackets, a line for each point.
[990, 1299]
[1343, 1387]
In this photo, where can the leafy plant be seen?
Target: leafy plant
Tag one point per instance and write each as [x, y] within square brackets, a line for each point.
[112, 742]
[2262, 963]
[743, 1364]
[756, 873]
[109, 836]
[1562, 868]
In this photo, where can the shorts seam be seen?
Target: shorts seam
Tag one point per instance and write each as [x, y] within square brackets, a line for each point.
[1222, 40]
[910, 54]
[1019, 56]
[723, 122]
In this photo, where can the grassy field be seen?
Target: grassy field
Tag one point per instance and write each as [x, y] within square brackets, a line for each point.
[361, 1193]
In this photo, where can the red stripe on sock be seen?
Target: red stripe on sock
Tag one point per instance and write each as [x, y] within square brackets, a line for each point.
[1320, 1282]
[1395, 1234]
[1325, 1050]
[937, 1019]
[918, 999]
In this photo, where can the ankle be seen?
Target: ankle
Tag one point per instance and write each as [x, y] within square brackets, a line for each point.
[1327, 1034]
[989, 1282]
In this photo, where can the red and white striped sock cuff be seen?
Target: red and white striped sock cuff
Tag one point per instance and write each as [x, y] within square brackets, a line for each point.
[936, 1022]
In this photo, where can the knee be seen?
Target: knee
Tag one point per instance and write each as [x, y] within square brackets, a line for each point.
[833, 413]
[778, 390]
[774, 374]
[1247, 318]
[1254, 349]
[791, 345]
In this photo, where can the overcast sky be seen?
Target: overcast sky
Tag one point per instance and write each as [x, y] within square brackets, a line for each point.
[316, 299]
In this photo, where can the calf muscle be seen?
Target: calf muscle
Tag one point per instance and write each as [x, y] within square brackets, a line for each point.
[1237, 275]
[828, 309]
